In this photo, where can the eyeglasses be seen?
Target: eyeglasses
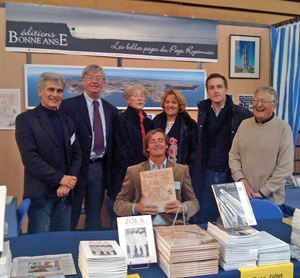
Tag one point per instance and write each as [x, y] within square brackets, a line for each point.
[263, 101]
[92, 78]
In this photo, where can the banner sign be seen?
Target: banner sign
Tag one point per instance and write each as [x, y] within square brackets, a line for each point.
[68, 30]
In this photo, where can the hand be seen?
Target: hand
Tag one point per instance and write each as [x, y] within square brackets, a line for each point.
[69, 181]
[143, 208]
[172, 207]
[258, 195]
[62, 191]
[249, 190]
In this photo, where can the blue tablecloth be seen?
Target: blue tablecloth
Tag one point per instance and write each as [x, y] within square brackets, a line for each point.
[68, 242]
[292, 198]
[11, 218]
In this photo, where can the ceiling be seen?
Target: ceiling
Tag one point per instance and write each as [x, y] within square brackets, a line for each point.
[267, 12]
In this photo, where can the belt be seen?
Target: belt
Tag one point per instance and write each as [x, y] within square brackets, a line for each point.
[92, 160]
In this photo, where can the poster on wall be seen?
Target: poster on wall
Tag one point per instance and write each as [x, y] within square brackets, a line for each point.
[246, 101]
[10, 107]
[244, 57]
[190, 82]
[69, 30]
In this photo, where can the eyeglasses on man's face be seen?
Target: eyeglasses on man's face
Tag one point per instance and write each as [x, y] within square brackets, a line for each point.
[263, 100]
[94, 78]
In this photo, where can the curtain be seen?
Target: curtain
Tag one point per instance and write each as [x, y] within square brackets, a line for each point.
[286, 73]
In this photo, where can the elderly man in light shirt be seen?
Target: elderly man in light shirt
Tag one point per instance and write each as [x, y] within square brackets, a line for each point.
[262, 151]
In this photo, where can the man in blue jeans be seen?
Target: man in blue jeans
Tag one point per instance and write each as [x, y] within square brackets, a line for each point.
[51, 156]
[218, 121]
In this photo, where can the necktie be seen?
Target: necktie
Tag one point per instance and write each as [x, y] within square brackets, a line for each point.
[98, 130]
[142, 117]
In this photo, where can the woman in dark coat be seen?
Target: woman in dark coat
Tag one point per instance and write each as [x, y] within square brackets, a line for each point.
[130, 128]
[180, 127]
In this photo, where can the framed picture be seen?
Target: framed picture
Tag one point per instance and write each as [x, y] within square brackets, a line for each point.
[244, 57]
[246, 101]
[190, 82]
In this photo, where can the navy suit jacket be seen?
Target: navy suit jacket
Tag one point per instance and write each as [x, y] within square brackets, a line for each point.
[40, 153]
[76, 108]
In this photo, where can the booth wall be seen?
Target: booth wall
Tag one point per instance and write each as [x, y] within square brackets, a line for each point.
[12, 77]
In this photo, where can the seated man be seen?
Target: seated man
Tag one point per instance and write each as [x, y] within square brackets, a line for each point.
[262, 151]
[130, 200]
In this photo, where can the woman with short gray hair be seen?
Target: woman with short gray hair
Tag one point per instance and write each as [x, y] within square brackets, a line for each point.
[130, 128]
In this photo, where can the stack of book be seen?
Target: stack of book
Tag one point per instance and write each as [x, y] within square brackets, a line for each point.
[101, 259]
[238, 246]
[185, 251]
[295, 236]
[5, 261]
[272, 250]
[3, 191]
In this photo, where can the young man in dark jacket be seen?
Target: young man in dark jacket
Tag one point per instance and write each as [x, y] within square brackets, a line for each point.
[218, 121]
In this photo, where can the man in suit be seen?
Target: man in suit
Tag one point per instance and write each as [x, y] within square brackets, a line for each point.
[130, 200]
[93, 118]
[51, 156]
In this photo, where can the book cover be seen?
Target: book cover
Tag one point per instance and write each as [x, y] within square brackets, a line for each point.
[136, 239]
[234, 205]
[158, 187]
[101, 250]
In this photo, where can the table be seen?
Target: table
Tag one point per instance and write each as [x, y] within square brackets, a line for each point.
[68, 242]
[12, 219]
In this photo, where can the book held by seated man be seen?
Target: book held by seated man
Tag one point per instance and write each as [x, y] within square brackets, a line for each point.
[234, 205]
[158, 187]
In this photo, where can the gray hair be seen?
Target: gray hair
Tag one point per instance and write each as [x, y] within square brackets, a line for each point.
[129, 91]
[92, 69]
[270, 90]
[57, 78]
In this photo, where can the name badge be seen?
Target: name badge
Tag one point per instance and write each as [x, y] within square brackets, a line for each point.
[72, 139]
[177, 185]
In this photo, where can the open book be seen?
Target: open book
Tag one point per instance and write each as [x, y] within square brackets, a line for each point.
[234, 205]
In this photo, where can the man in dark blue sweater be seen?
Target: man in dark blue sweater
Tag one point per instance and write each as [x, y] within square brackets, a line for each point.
[52, 157]
[218, 121]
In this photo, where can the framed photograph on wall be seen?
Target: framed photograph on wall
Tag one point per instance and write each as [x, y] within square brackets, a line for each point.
[244, 57]
[190, 82]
